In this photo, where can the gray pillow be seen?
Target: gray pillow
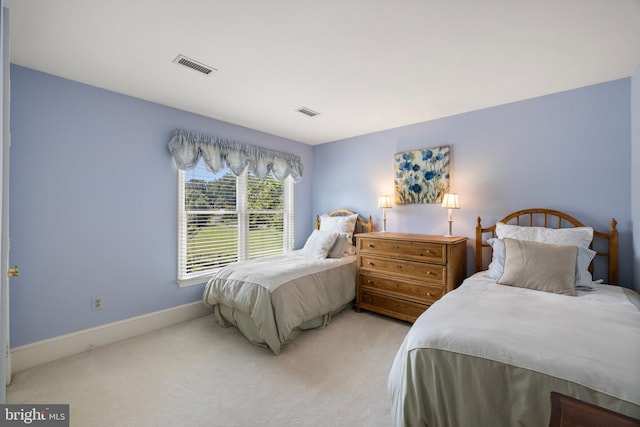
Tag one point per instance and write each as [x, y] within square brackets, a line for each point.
[539, 266]
[337, 251]
[583, 278]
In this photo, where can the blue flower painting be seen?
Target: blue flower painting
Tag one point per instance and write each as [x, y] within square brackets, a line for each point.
[422, 176]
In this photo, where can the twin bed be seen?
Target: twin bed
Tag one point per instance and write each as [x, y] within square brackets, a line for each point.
[270, 300]
[491, 352]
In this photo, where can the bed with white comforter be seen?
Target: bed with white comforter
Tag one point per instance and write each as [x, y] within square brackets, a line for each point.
[488, 354]
[534, 322]
[271, 299]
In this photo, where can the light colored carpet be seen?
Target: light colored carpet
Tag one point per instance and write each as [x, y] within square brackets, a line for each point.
[199, 374]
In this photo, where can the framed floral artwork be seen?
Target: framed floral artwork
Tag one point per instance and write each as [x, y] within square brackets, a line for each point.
[421, 176]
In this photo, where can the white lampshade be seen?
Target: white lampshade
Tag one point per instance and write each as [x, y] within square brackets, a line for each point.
[384, 202]
[450, 201]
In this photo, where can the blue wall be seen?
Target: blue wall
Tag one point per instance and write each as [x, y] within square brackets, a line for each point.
[568, 151]
[93, 187]
[94, 204]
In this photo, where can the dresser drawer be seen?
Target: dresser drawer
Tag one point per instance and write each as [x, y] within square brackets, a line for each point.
[421, 292]
[433, 273]
[391, 306]
[431, 252]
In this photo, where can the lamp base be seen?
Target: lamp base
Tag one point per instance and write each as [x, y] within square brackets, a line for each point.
[449, 234]
[384, 220]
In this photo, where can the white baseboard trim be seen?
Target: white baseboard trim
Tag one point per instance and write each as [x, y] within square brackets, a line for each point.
[38, 353]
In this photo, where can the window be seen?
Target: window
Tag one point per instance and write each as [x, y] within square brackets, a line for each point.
[223, 218]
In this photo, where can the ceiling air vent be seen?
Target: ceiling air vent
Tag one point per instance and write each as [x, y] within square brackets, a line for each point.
[307, 111]
[194, 65]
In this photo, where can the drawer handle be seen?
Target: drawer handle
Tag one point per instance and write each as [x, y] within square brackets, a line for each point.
[428, 251]
[428, 294]
[429, 273]
[370, 263]
[370, 245]
[398, 266]
[369, 281]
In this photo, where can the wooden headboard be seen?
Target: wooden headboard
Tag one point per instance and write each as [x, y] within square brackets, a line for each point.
[361, 225]
[554, 219]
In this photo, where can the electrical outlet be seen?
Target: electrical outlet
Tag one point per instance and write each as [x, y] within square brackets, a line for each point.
[97, 303]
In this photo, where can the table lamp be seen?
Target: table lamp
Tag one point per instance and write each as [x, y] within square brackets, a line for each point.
[384, 203]
[450, 201]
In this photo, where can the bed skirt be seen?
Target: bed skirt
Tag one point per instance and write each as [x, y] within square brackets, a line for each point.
[227, 316]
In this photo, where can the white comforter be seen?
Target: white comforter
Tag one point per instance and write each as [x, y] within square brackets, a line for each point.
[517, 340]
[281, 292]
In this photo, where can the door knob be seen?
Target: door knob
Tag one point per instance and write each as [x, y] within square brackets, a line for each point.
[13, 271]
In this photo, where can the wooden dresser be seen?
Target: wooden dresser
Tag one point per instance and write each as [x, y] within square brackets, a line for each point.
[401, 275]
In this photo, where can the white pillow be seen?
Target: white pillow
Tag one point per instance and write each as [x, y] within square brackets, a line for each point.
[339, 224]
[583, 278]
[496, 267]
[339, 247]
[319, 244]
[576, 236]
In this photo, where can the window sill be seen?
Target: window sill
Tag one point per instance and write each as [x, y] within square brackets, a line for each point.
[193, 281]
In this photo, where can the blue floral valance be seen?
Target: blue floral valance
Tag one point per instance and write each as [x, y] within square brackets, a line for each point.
[187, 148]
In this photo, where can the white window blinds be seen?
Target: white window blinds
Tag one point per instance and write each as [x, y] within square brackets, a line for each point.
[224, 218]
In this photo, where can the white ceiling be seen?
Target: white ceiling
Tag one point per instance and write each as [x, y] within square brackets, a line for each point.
[365, 65]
